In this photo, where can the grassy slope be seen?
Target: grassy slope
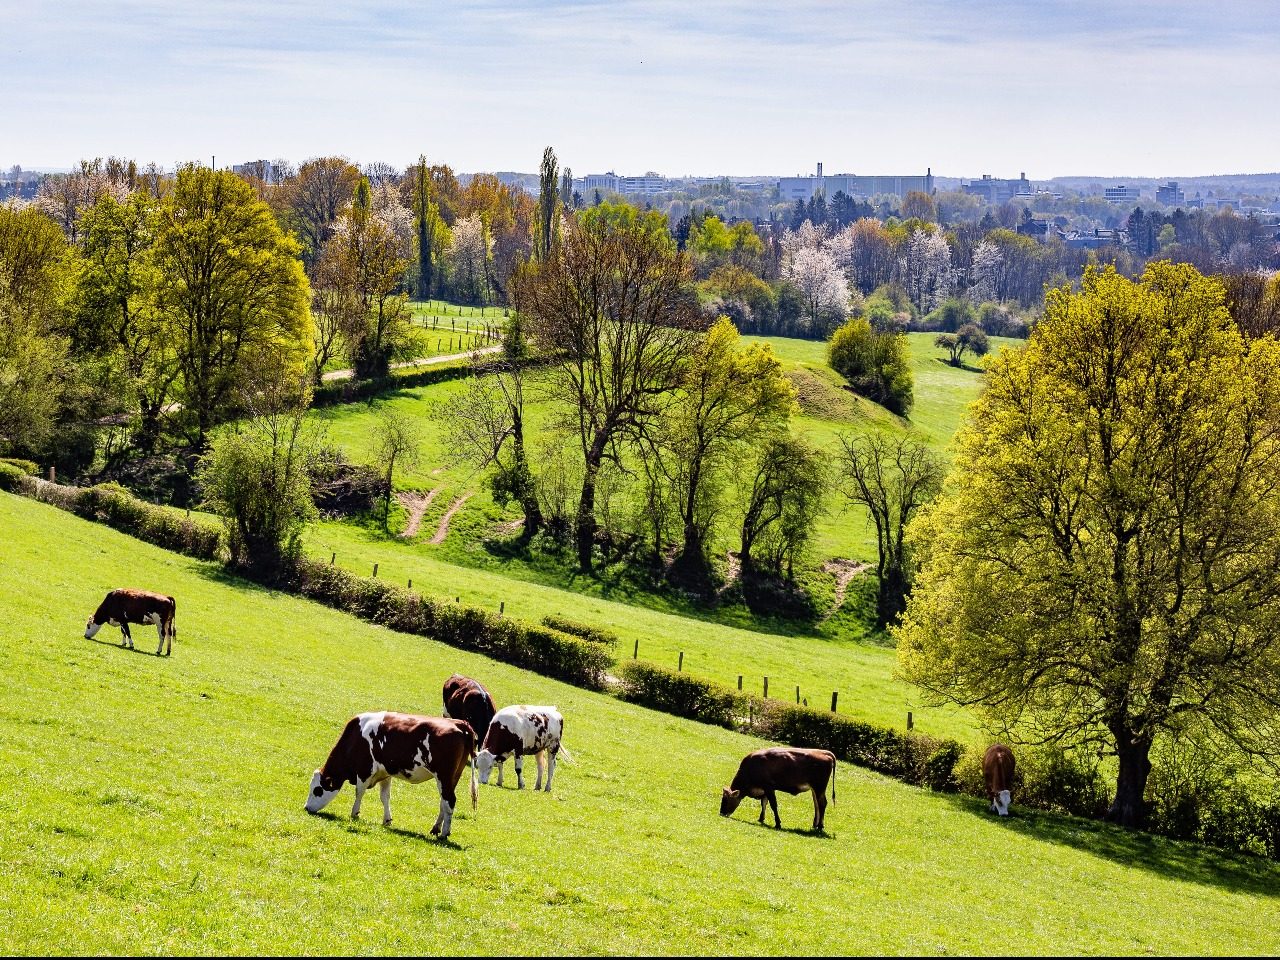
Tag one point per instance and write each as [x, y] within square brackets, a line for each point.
[156, 806]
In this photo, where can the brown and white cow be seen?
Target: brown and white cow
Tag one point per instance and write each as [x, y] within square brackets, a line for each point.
[520, 730]
[375, 747]
[123, 607]
[997, 770]
[467, 699]
[789, 769]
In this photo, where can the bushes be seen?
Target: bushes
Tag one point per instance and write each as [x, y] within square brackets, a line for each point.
[583, 630]
[11, 477]
[25, 466]
[682, 694]
[547, 651]
[877, 365]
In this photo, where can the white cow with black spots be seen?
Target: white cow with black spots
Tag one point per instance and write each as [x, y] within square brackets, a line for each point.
[520, 730]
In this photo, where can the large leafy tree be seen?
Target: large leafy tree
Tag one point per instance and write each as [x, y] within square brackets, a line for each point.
[1103, 568]
[231, 290]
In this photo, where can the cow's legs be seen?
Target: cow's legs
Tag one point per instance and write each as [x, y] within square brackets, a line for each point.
[773, 805]
[551, 767]
[538, 758]
[385, 790]
[448, 799]
[355, 807]
[763, 801]
[819, 808]
[162, 632]
[519, 770]
[128, 637]
[171, 629]
[501, 764]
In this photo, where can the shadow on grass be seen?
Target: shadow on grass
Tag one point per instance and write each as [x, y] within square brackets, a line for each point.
[1174, 859]
[120, 646]
[797, 831]
[362, 826]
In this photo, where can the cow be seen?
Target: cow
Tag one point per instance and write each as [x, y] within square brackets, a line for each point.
[997, 770]
[375, 747]
[467, 699]
[789, 769]
[521, 730]
[123, 607]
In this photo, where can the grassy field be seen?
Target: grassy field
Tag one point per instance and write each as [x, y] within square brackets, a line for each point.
[155, 806]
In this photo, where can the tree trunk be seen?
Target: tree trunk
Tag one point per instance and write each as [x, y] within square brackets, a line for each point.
[891, 597]
[586, 520]
[528, 493]
[1129, 808]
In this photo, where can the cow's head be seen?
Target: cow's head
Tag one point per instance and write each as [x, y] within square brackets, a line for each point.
[729, 801]
[91, 628]
[1001, 803]
[484, 764]
[323, 790]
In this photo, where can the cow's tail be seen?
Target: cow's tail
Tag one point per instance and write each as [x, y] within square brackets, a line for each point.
[564, 752]
[471, 760]
[833, 778]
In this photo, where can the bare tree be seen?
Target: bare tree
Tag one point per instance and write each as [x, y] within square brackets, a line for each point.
[893, 477]
[615, 308]
[395, 440]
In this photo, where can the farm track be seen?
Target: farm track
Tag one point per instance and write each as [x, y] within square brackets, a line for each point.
[844, 571]
[416, 504]
[442, 531]
[422, 362]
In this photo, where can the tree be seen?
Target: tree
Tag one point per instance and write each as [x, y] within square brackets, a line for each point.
[232, 294]
[616, 310]
[877, 365]
[37, 267]
[257, 477]
[485, 426]
[1253, 300]
[968, 337]
[729, 397]
[395, 440]
[1102, 569]
[316, 196]
[925, 269]
[548, 205]
[119, 309]
[422, 225]
[782, 494]
[817, 276]
[468, 257]
[919, 206]
[892, 477]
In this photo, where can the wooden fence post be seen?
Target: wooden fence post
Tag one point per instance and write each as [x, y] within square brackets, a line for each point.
[910, 723]
[680, 665]
[333, 557]
[739, 683]
[635, 654]
[797, 693]
[834, 695]
[502, 608]
[766, 688]
[375, 570]
[411, 583]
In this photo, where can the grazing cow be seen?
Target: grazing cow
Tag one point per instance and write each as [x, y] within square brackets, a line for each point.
[997, 770]
[123, 607]
[788, 769]
[374, 747]
[521, 730]
[467, 699]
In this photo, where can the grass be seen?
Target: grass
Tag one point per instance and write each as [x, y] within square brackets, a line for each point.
[155, 806]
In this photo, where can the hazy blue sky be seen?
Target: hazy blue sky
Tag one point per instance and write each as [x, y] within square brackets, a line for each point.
[869, 86]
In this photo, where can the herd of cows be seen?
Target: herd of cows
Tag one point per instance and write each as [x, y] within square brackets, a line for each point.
[376, 748]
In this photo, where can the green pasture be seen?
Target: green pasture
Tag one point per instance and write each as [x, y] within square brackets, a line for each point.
[155, 806]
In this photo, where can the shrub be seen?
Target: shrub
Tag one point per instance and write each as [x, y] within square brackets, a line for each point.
[877, 365]
[583, 630]
[681, 694]
[543, 650]
[11, 477]
[939, 770]
[1053, 779]
[25, 466]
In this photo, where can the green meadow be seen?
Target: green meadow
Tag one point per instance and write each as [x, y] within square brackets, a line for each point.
[155, 806]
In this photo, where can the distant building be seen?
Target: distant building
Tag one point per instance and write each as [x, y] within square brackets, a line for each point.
[254, 168]
[611, 182]
[1101, 237]
[996, 192]
[1121, 194]
[852, 185]
[1170, 195]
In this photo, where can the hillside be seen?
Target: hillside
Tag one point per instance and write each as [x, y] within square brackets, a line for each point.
[156, 806]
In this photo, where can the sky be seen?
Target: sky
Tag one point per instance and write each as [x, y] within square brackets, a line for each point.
[1049, 87]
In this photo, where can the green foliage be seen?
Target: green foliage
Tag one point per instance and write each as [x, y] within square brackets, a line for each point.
[584, 630]
[877, 365]
[11, 476]
[27, 467]
[681, 694]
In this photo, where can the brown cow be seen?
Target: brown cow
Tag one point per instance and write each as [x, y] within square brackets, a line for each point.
[997, 770]
[123, 607]
[788, 769]
[374, 747]
[467, 699]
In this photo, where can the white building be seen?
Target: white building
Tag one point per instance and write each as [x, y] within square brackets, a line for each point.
[1121, 194]
[852, 185]
[646, 185]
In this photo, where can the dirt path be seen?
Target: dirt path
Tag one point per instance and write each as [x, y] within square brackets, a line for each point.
[423, 362]
[442, 531]
[844, 571]
[416, 504]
